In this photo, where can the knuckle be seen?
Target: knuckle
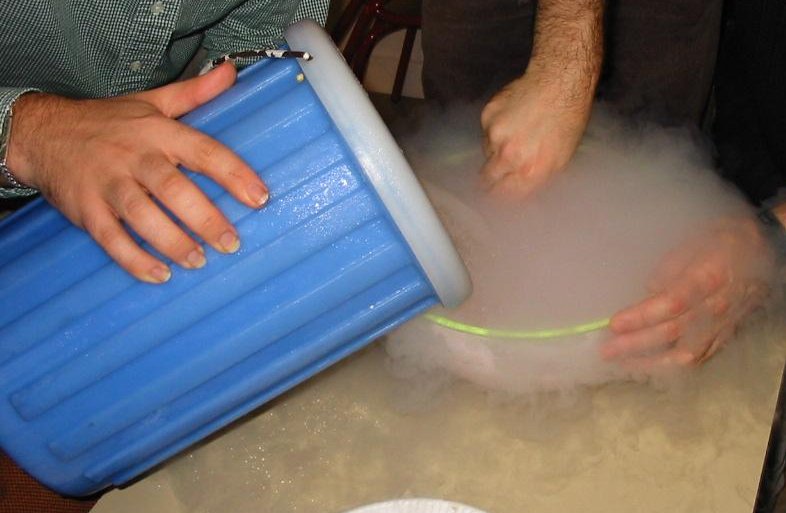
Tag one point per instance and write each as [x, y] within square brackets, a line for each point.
[147, 124]
[237, 169]
[105, 234]
[133, 205]
[147, 158]
[488, 113]
[211, 221]
[683, 358]
[720, 307]
[713, 277]
[675, 305]
[171, 183]
[125, 151]
[672, 330]
[690, 360]
[114, 189]
[178, 246]
[496, 134]
[207, 150]
[509, 154]
[152, 119]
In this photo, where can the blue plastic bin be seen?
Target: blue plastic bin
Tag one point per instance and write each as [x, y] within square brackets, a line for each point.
[102, 376]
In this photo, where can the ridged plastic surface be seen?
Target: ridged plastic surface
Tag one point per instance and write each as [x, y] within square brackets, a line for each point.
[102, 376]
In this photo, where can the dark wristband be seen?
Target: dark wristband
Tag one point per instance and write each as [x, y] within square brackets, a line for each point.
[775, 233]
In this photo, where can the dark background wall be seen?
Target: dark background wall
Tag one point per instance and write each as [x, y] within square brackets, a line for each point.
[750, 85]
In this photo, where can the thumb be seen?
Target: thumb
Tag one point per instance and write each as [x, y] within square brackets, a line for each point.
[178, 98]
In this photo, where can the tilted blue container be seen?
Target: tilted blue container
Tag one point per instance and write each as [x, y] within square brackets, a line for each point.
[102, 376]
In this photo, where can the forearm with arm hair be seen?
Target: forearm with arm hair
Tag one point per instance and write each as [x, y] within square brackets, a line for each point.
[568, 47]
[533, 126]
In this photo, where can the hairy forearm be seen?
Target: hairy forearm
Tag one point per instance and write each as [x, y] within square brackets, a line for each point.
[31, 112]
[568, 47]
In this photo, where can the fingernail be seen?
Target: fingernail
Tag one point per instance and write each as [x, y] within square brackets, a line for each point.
[257, 194]
[196, 258]
[229, 242]
[159, 274]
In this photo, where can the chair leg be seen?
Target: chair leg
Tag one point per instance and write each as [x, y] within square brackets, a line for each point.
[403, 64]
[363, 25]
[379, 30]
[371, 24]
[346, 20]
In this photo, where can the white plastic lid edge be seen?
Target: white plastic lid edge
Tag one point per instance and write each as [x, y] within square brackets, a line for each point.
[382, 160]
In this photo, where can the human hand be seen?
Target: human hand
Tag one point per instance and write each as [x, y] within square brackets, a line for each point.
[101, 162]
[700, 293]
[532, 129]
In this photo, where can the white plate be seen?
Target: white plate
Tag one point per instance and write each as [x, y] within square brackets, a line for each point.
[416, 506]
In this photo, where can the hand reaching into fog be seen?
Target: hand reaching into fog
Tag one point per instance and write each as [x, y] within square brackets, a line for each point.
[700, 293]
[532, 129]
[535, 123]
[100, 161]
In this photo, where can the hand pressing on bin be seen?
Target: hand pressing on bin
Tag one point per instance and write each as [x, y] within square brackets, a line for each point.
[534, 124]
[101, 162]
[700, 293]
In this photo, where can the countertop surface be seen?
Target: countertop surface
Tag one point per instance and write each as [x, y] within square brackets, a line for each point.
[369, 430]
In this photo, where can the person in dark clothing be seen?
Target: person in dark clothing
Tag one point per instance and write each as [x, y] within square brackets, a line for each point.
[750, 136]
[539, 64]
[552, 58]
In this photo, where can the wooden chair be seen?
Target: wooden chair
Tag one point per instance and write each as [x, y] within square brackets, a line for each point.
[367, 22]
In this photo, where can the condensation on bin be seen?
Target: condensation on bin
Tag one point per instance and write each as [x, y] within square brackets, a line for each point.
[104, 376]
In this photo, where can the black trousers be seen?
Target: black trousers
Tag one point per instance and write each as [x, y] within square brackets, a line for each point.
[659, 54]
